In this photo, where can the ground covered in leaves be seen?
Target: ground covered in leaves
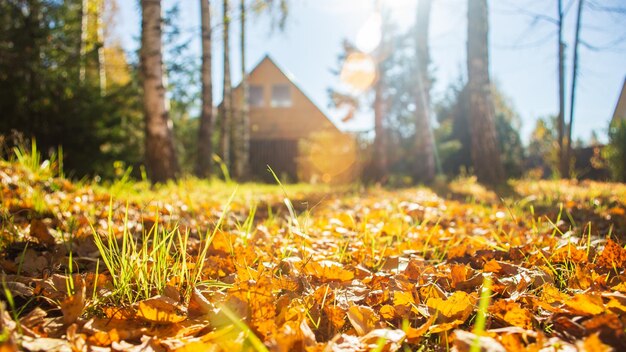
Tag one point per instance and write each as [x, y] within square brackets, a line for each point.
[186, 266]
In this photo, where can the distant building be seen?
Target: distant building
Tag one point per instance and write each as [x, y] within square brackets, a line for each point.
[282, 120]
[620, 107]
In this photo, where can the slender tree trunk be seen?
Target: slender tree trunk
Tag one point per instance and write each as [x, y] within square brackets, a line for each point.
[205, 135]
[84, 22]
[102, 76]
[379, 154]
[226, 107]
[574, 81]
[563, 164]
[484, 141]
[242, 129]
[161, 159]
[425, 158]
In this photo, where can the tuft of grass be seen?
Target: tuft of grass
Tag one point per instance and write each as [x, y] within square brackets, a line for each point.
[30, 159]
[481, 316]
[142, 267]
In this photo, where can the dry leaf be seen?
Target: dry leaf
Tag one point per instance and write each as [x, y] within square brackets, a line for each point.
[161, 310]
[363, 319]
[512, 313]
[459, 306]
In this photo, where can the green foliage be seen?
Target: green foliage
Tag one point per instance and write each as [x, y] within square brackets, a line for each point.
[43, 97]
[452, 136]
[543, 147]
[615, 151]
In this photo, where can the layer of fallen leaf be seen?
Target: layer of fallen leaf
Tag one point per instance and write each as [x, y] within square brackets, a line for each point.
[352, 271]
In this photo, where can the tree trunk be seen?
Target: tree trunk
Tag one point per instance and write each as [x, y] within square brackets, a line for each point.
[226, 107]
[574, 80]
[102, 77]
[425, 158]
[379, 155]
[485, 150]
[161, 160]
[205, 133]
[563, 164]
[84, 16]
[242, 127]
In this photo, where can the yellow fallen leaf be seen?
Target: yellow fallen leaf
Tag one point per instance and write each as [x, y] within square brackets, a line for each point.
[459, 306]
[161, 309]
[327, 270]
[363, 319]
[585, 304]
[512, 313]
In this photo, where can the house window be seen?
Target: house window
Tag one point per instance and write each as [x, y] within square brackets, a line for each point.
[281, 96]
[255, 96]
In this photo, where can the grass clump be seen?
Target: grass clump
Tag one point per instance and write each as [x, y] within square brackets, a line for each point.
[142, 266]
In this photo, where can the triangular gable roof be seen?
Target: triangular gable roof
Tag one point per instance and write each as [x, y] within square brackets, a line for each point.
[291, 80]
[620, 107]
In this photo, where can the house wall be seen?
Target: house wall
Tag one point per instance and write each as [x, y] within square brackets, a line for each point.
[278, 134]
[292, 123]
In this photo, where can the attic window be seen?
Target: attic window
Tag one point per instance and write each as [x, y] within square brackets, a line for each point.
[255, 96]
[281, 96]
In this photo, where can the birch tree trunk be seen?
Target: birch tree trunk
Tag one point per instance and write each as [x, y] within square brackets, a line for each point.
[205, 133]
[102, 76]
[424, 144]
[563, 167]
[379, 155]
[161, 160]
[572, 101]
[226, 107]
[485, 151]
[242, 127]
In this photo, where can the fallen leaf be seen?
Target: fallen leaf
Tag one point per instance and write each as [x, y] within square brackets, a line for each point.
[512, 313]
[593, 343]
[327, 270]
[463, 341]
[612, 256]
[363, 319]
[585, 304]
[384, 339]
[459, 306]
[161, 310]
[73, 306]
[39, 230]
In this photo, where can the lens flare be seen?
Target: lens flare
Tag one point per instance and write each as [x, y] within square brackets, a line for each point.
[369, 36]
[358, 72]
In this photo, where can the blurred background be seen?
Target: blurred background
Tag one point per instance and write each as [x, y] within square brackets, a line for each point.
[397, 92]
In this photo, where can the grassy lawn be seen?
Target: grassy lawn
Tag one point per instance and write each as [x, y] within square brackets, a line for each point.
[199, 265]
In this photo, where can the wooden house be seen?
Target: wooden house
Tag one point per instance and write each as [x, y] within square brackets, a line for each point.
[620, 107]
[282, 118]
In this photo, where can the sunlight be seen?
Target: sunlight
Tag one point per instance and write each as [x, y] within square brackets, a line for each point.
[358, 72]
[369, 36]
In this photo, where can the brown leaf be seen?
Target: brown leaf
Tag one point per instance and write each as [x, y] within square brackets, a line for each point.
[612, 256]
[39, 230]
[73, 306]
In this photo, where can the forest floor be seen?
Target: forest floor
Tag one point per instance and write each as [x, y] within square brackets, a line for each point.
[197, 265]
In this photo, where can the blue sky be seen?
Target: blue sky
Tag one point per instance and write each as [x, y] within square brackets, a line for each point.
[523, 54]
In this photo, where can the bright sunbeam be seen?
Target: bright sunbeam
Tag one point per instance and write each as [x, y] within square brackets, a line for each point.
[369, 36]
[358, 72]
